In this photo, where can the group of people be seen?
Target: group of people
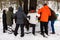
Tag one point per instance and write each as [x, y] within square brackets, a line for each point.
[45, 14]
[7, 19]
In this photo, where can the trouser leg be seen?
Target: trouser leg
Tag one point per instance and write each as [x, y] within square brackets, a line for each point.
[41, 28]
[22, 30]
[52, 26]
[3, 29]
[16, 29]
[27, 26]
[33, 29]
[46, 27]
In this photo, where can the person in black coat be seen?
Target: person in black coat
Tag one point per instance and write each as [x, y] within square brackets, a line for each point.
[52, 18]
[4, 21]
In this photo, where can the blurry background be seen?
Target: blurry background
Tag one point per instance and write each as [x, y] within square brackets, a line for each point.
[27, 4]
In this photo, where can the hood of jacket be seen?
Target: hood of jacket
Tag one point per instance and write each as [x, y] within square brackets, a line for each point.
[20, 9]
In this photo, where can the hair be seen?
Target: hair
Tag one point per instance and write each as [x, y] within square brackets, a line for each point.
[4, 11]
[32, 8]
[11, 9]
[45, 4]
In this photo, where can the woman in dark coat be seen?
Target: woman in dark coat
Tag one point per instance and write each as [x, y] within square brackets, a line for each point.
[10, 19]
[52, 18]
[4, 21]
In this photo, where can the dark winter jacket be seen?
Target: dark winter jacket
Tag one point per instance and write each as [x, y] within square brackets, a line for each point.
[53, 16]
[4, 17]
[20, 16]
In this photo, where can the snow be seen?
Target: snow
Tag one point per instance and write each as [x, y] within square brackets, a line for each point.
[7, 36]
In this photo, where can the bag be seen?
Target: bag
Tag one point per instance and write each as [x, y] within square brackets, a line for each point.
[53, 15]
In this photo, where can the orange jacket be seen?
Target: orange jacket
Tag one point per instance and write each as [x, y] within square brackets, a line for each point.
[45, 13]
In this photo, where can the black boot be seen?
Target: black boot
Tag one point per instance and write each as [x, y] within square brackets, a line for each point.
[42, 34]
[22, 35]
[15, 34]
[33, 33]
[53, 33]
[4, 31]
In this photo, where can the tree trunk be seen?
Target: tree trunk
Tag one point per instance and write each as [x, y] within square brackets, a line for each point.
[25, 6]
[33, 3]
[20, 2]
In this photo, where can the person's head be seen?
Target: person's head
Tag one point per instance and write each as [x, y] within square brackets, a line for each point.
[44, 4]
[4, 11]
[11, 9]
[32, 10]
[20, 9]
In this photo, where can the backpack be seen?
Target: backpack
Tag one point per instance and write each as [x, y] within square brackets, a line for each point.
[53, 15]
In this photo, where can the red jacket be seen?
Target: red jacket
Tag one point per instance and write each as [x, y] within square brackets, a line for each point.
[45, 13]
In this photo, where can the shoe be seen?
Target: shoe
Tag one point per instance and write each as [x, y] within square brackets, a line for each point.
[53, 33]
[15, 34]
[4, 32]
[22, 35]
[43, 35]
[34, 34]
[47, 34]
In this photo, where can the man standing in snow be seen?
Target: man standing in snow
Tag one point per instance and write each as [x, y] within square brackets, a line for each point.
[44, 16]
[20, 16]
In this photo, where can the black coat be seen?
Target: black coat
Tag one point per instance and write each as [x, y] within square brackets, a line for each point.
[4, 19]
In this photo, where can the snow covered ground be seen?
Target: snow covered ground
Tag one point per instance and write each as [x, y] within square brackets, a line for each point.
[7, 36]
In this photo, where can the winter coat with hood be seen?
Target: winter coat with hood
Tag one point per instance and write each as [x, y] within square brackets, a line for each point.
[20, 16]
[9, 17]
[45, 13]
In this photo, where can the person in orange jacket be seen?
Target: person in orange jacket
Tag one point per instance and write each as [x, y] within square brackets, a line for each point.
[44, 13]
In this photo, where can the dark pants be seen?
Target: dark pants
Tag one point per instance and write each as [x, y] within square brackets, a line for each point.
[4, 27]
[44, 27]
[26, 24]
[52, 26]
[22, 28]
[33, 28]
